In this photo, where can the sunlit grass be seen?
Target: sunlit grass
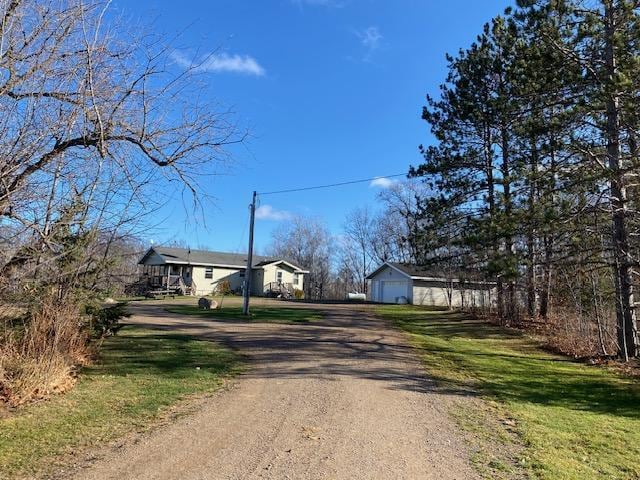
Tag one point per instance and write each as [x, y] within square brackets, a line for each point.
[575, 421]
[139, 375]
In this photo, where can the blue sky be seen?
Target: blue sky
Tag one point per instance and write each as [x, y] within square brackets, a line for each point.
[332, 90]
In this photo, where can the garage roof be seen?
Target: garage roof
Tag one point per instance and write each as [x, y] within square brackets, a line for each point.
[415, 271]
[420, 272]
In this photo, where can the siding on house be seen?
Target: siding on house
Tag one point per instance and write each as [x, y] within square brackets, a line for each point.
[257, 281]
[206, 286]
[270, 274]
[203, 286]
[260, 278]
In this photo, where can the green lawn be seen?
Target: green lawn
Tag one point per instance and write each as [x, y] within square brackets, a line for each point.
[139, 375]
[267, 314]
[573, 421]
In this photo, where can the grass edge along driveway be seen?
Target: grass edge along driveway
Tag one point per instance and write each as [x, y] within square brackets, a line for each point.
[139, 376]
[572, 421]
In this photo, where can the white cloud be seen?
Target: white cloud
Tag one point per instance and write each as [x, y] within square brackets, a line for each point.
[382, 182]
[220, 62]
[267, 212]
[371, 39]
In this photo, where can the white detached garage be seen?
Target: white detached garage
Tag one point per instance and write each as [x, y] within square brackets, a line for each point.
[405, 283]
[388, 284]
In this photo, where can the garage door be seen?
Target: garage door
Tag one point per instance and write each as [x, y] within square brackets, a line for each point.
[391, 290]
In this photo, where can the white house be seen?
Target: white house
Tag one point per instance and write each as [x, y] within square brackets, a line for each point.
[398, 282]
[201, 272]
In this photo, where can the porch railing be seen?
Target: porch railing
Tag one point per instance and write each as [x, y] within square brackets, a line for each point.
[279, 288]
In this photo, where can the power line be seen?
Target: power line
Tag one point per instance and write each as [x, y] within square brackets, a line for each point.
[316, 187]
[247, 277]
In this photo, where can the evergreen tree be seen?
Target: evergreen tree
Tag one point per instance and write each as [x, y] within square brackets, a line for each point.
[536, 131]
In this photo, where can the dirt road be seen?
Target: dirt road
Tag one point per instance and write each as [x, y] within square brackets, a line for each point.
[343, 398]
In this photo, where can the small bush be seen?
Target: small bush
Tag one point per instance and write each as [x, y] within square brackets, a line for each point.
[224, 288]
[298, 294]
[105, 321]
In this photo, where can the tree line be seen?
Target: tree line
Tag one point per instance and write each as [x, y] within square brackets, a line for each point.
[533, 174]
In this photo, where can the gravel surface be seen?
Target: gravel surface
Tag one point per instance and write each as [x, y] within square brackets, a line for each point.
[342, 398]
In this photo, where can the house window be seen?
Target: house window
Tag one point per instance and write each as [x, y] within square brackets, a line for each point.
[208, 272]
[296, 280]
[279, 276]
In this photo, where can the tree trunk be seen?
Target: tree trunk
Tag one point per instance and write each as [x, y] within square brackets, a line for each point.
[508, 238]
[491, 200]
[622, 261]
[531, 233]
[548, 238]
[364, 270]
[545, 295]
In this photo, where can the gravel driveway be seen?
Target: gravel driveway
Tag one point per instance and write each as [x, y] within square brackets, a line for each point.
[342, 398]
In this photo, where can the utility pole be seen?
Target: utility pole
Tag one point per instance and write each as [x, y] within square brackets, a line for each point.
[247, 275]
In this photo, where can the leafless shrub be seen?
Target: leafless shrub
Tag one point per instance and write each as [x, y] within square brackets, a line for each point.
[580, 337]
[40, 352]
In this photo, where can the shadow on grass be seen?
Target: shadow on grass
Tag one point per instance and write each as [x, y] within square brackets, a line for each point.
[132, 352]
[257, 314]
[459, 352]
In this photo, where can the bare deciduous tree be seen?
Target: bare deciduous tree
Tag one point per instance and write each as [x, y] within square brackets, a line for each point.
[308, 243]
[399, 226]
[93, 126]
[359, 228]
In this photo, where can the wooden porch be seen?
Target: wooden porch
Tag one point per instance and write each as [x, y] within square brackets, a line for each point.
[176, 279]
[279, 289]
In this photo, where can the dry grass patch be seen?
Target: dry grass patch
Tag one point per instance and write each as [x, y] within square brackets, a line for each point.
[40, 352]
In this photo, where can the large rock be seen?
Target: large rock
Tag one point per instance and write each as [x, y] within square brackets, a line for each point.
[206, 304]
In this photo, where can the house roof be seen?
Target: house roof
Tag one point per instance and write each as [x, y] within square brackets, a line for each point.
[205, 257]
[422, 272]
